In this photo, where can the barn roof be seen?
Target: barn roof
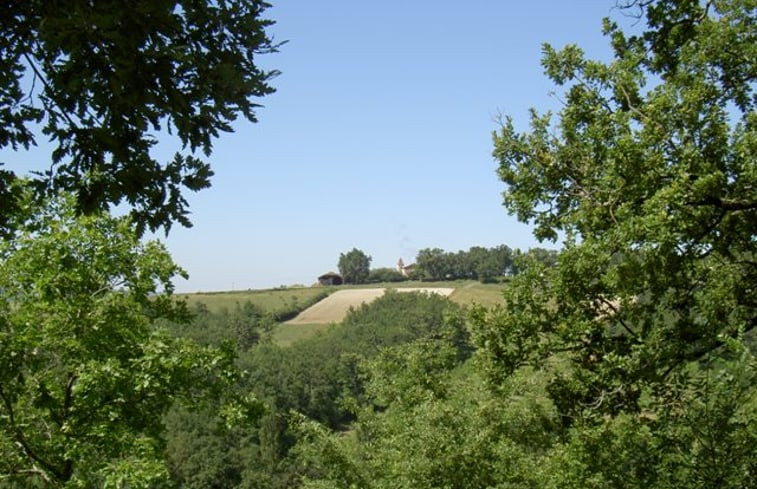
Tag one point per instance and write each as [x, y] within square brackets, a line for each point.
[329, 275]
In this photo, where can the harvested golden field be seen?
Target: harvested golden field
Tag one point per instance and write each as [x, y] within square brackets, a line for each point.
[334, 307]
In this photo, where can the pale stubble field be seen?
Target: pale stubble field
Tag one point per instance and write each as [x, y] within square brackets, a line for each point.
[334, 307]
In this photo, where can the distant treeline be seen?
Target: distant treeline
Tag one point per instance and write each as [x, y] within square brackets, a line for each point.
[484, 264]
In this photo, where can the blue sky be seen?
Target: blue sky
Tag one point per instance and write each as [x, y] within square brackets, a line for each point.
[379, 137]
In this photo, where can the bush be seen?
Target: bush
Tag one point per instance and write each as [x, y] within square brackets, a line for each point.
[385, 275]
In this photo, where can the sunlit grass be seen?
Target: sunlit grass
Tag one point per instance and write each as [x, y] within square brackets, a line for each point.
[274, 301]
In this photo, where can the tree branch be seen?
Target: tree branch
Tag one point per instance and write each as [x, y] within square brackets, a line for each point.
[21, 439]
[726, 204]
[29, 472]
[37, 74]
[615, 312]
[68, 398]
[698, 354]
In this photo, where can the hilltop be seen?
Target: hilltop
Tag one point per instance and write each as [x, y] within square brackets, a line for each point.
[284, 304]
[281, 300]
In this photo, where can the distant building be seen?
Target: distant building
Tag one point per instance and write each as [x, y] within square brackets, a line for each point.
[331, 278]
[405, 270]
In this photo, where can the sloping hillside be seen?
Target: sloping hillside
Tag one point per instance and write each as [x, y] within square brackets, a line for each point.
[334, 307]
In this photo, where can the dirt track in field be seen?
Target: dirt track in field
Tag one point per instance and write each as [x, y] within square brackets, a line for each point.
[334, 307]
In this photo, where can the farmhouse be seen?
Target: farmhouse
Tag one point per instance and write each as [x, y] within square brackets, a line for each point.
[330, 278]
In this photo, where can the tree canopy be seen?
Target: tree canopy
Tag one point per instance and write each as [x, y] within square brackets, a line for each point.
[484, 264]
[354, 266]
[86, 372]
[104, 80]
[649, 173]
[85, 376]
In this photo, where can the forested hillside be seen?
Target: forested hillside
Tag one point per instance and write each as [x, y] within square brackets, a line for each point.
[321, 379]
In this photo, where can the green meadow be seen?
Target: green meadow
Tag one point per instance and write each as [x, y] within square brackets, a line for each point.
[279, 302]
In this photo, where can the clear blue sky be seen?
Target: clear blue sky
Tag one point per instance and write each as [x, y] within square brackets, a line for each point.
[379, 137]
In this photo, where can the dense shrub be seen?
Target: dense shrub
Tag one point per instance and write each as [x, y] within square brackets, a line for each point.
[385, 275]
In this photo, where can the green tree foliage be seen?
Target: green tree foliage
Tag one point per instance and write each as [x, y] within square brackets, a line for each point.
[85, 377]
[430, 422]
[246, 325]
[314, 375]
[400, 376]
[649, 173]
[203, 453]
[354, 266]
[484, 264]
[378, 275]
[433, 264]
[103, 79]
[318, 377]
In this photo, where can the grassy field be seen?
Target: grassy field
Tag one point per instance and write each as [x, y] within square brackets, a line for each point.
[470, 293]
[274, 301]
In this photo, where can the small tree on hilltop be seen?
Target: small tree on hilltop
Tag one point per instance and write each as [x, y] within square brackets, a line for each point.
[354, 266]
[386, 275]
